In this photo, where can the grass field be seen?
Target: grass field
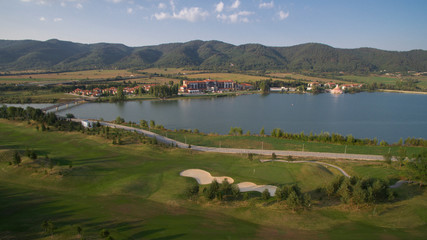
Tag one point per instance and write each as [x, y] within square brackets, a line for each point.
[371, 79]
[65, 76]
[229, 76]
[168, 71]
[135, 192]
[39, 96]
[303, 77]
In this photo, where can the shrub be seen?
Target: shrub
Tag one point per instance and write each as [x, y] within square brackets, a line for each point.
[192, 190]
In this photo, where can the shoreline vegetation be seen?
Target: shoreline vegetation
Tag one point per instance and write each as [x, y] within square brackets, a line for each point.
[279, 140]
[276, 140]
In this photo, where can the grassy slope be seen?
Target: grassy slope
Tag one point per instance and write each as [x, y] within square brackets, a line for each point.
[257, 142]
[135, 191]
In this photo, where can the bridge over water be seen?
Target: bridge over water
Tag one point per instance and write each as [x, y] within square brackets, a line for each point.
[68, 104]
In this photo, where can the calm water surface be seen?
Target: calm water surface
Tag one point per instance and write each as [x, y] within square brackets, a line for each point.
[388, 116]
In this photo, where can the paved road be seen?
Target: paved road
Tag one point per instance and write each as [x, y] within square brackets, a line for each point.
[166, 140]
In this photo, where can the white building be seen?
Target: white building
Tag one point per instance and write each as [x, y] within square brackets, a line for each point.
[87, 123]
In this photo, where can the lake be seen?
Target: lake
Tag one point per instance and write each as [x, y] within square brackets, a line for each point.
[387, 116]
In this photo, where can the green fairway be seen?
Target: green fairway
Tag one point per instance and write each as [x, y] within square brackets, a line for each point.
[135, 192]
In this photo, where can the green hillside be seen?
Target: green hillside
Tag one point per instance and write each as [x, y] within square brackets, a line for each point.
[211, 55]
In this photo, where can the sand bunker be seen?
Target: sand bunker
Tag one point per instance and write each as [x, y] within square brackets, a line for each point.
[249, 186]
[204, 177]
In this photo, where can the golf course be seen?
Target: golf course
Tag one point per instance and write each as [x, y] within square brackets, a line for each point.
[135, 191]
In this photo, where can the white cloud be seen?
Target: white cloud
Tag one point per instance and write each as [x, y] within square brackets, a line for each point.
[235, 5]
[40, 2]
[116, 1]
[63, 4]
[57, 19]
[241, 16]
[219, 7]
[161, 16]
[283, 15]
[162, 6]
[172, 5]
[42, 19]
[189, 14]
[266, 4]
[130, 10]
[79, 6]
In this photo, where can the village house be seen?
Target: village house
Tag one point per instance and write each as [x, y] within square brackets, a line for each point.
[77, 91]
[111, 90]
[147, 87]
[330, 85]
[313, 84]
[245, 86]
[347, 86]
[96, 92]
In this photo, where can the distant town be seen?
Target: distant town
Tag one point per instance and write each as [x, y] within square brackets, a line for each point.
[217, 86]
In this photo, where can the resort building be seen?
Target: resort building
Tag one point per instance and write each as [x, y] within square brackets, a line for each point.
[208, 85]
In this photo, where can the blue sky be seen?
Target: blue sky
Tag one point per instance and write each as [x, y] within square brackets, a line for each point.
[385, 24]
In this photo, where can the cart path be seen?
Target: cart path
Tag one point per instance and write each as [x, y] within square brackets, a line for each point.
[179, 144]
[321, 163]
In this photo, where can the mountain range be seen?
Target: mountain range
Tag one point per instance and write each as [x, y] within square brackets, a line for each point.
[59, 55]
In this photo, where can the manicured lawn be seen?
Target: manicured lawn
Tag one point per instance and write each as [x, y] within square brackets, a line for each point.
[135, 191]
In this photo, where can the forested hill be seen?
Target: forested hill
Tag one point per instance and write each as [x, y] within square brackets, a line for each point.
[62, 56]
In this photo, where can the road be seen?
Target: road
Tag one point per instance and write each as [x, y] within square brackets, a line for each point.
[166, 140]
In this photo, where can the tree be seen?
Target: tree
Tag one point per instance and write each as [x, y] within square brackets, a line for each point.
[192, 190]
[119, 120]
[265, 194]
[387, 158]
[79, 230]
[293, 200]
[69, 115]
[48, 227]
[33, 155]
[344, 191]
[51, 162]
[16, 158]
[104, 233]
[235, 191]
[143, 124]
[212, 190]
[262, 132]
[401, 156]
[152, 124]
[417, 169]
[120, 95]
